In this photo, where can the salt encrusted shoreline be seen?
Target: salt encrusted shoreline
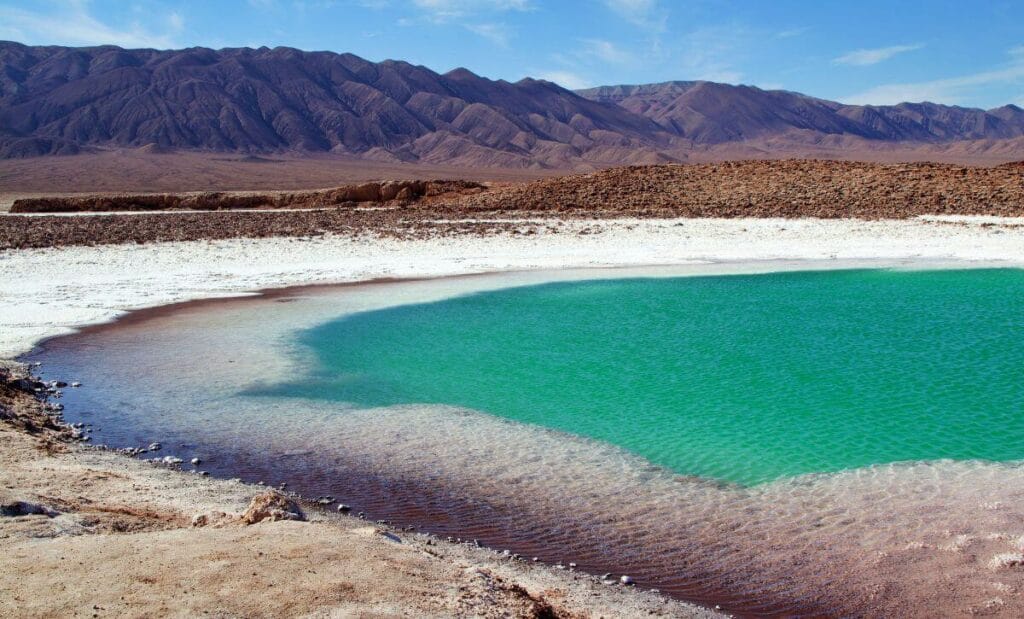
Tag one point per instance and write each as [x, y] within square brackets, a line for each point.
[47, 292]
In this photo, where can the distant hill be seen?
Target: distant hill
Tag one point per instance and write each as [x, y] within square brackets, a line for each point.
[62, 100]
[711, 113]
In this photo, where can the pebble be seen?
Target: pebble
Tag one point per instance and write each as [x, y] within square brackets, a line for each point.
[196, 461]
[626, 580]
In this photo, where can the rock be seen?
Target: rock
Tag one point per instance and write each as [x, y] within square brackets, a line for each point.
[389, 536]
[171, 460]
[154, 447]
[25, 508]
[196, 461]
[1007, 560]
[390, 190]
[59, 384]
[626, 580]
[76, 384]
[366, 192]
[210, 519]
[344, 508]
[271, 505]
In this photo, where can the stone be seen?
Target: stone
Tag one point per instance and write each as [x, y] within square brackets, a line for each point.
[273, 506]
[26, 508]
[171, 460]
[626, 580]
[1007, 560]
[390, 190]
[196, 461]
[344, 508]
[210, 519]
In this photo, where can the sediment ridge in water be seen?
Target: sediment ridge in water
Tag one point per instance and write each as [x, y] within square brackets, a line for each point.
[928, 537]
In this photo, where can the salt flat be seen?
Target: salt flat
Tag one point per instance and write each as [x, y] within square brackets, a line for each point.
[46, 292]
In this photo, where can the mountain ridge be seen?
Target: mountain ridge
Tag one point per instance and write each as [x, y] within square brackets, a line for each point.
[67, 100]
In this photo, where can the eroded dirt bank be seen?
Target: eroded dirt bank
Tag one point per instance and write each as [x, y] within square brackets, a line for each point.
[745, 189]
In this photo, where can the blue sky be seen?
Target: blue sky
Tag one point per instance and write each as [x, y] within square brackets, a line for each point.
[964, 52]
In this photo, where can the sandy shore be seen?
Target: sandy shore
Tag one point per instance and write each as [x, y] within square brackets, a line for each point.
[133, 520]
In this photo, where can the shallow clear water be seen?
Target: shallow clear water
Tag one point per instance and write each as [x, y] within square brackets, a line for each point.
[744, 378]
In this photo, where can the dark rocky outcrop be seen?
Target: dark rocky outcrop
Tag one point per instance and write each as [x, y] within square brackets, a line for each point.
[377, 192]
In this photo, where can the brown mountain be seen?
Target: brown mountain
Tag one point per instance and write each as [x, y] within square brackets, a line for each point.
[61, 100]
[711, 113]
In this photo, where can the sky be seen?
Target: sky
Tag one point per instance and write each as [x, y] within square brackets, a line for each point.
[963, 52]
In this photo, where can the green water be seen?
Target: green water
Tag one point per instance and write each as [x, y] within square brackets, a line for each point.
[739, 378]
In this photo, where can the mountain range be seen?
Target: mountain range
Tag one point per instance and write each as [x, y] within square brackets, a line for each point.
[64, 100]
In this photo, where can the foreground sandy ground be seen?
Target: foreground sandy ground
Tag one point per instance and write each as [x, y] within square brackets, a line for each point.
[114, 536]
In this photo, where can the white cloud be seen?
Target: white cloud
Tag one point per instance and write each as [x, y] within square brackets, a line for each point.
[604, 50]
[495, 33]
[565, 79]
[446, 10]
[70, 23]
[176, 21]
[710, 53]
[868, 57]
[791, 33]
[644, 13]
[952, 90]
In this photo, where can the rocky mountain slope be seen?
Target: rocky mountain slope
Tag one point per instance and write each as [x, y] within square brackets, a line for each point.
[711, 113]
[62, 100]
[56, 100]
